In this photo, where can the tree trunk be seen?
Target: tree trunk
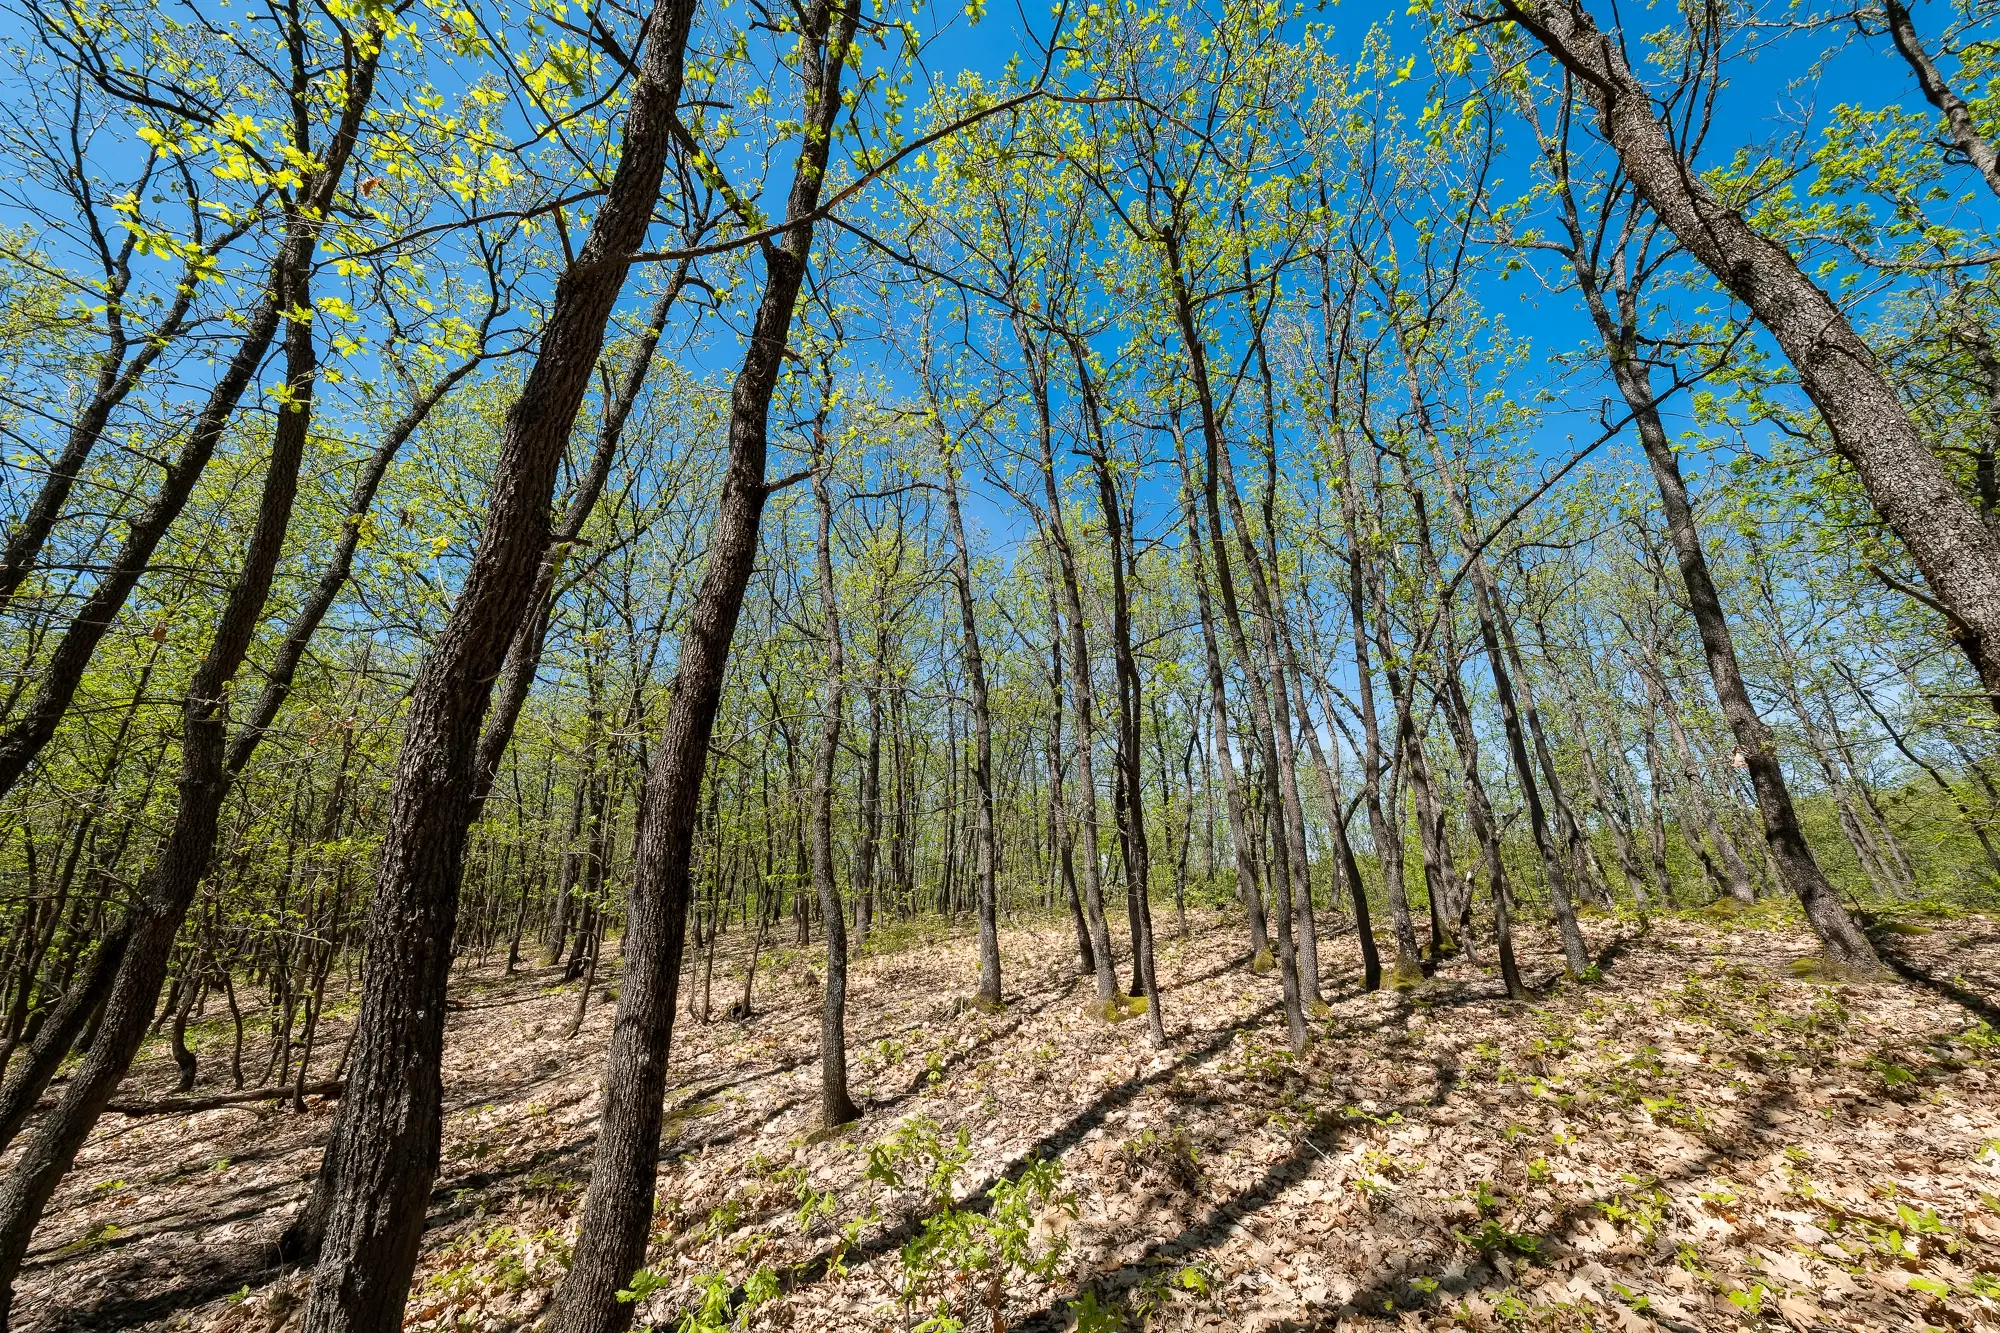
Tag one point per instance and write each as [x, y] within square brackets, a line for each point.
[618, 1207]
[982, 752]
[1243, 841]
[1291, 978]
[376, 1176]
[168, 890]
[1130, 805]
[524, 653]
[836, 1106]
[1906, 482]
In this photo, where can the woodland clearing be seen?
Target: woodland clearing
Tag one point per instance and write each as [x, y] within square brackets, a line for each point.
[1704, 1138]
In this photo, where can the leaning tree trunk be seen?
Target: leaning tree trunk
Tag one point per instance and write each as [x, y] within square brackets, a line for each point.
[1363, 583]
[1287, 815]
[53, 1041]
[63, 673]
[524, 653]
[383, 1155]
[1486, 605]
[1290, 975]
[120, 367]
[1909, 486]
[1336, 822]
[1965, 135]
[1062, 837]
[1063, 581]
[618, 1207]
[1844, 943]
[1131, 806]
[168, 890]
[1242, 840]
[1268, 598]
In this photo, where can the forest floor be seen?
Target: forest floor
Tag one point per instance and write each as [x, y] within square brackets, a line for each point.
[1704, 1139]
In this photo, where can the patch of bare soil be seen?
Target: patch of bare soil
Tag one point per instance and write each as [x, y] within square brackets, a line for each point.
[1709, 1138]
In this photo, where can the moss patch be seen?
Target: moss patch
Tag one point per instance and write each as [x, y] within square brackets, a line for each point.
[1116, 1009]
[1828, 971]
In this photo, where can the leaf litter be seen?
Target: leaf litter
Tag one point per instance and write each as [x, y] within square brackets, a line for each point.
[1709, 1137]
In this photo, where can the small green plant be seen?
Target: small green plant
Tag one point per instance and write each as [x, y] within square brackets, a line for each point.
[850, 1236]
[1980, 1036]
[1721, 1196]
[814, 1205]
[1092, 1317]
[1643, 1208]
[103, 1235]
[1679, 1114]
[918, 1150]
[1894, 1077]
[644, 1283]
[959, 1255]
[1750, 1300]
[1157, 1292]
[724, 1218]
[1540, 1171]
[713, 1311]
[1489, 1237]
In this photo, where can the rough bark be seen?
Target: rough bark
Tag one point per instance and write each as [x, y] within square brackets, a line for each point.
[618, 1207]
[524, 653]
[384, 1151]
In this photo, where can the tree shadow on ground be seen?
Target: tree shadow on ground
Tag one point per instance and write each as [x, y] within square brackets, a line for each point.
[1052, 1144]
[1914, 972]
[1392, 1288]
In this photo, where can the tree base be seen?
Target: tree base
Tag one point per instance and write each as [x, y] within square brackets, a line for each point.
[1116, 1009]
[828, 1133]
[1831, 971]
